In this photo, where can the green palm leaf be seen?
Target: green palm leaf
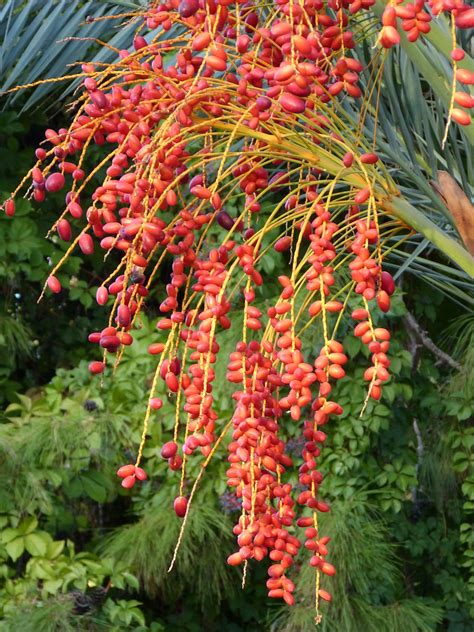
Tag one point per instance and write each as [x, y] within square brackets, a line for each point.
[36, 45]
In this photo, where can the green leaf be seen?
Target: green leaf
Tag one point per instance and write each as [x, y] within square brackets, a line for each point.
[94, 489]
[8, 535]
[95, 441]
[24, 57]
[352, 345]
[15, 548]
[28, 525]
[54, 549]
[452, 249]
[52, 586]
[131, 580]
[36, 545]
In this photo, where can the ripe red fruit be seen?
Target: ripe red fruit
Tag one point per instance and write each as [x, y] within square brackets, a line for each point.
[465, 76]
[460, 116]
[235, 559]
[123, 315]
[175, 366]
[9, 208]
[282, 244]
[156, 348]
[327, 569]
[465, 19]
[383, 301]
[201, 41]
[389, 36]
[180, 506]
[54, 182]
[362, 196]
[64, 230]
[263, 103]
[156, 403]
[169, 450]
[126, 470]
[75, 210]
[336, 371]
[360, 314]
[54, 284]
[216, 63]
[111, 343]
[325, 595]
[288, 598]
[323, 507]
[457, 54]
[348, 159]
[389, 16]
[125, 338]
[376, 392]
[96, 367]
[187, 8]
[128, 482]
[291, 103]
[225, 220]
[387, 283]
[37, 176]
[172, 382]
[369, 159]
[139, 42]
[464, 99]
[78, 174]
[102, 295]
[140, 474]
[381, 333]
[175, 463]
[86, 244]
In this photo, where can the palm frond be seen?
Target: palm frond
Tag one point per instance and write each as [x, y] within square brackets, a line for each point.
[409, 118]
[37, 45]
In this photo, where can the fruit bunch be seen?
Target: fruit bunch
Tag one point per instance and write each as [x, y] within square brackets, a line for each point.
[222, 105]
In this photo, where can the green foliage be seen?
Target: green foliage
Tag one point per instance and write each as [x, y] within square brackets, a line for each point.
[51, 616]
[208, 537]
[368, 582]
[30, 348]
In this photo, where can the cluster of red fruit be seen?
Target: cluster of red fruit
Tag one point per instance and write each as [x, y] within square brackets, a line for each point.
[190, 119]
[415, 19]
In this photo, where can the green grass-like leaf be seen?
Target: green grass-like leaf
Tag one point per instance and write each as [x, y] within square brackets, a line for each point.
[147, 546]
[367, 586]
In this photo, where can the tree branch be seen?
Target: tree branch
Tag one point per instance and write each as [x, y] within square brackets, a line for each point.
[420, 451]
[426, 341]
